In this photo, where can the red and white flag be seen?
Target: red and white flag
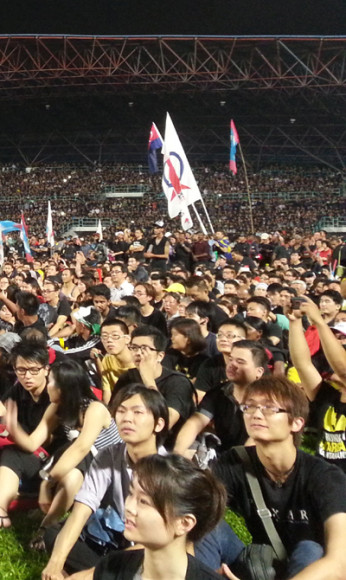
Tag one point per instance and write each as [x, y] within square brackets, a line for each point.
[178, 182]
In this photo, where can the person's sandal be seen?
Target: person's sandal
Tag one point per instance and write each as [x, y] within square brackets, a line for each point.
[37, 543]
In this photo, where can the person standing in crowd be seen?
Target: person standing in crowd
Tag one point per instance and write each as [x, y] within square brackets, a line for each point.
[157, 249]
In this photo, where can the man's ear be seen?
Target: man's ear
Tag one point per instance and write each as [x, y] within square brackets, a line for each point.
[259, 372]
[297, 424]
[159, 425]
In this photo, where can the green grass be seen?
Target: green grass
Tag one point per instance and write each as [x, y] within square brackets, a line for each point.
[17, 562]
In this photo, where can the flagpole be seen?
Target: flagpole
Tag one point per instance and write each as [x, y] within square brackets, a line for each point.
[199, 220]
[247, 189]
[206, 213]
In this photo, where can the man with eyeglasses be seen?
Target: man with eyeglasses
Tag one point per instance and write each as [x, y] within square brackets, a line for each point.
[246, 363]
[120, 285]
[304, 496]
[115, 338]
[148, 347]
[30, 395]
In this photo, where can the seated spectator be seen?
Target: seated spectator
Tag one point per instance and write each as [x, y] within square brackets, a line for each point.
[115, 338]
[141, 417]
[200, 312]
[151, 316]
[257, 331]
[260, 306]
[101, 297]
[87, 425]
[148, 347]
[187, 352]
[120, 286]
[56, 311]
[247, 362]
[178, 504]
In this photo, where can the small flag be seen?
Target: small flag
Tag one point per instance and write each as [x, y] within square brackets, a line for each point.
[186, 220]
[49, 228]
[8, 226]
[99, 231]
[234, 143]
[155, 143]
[24, 238]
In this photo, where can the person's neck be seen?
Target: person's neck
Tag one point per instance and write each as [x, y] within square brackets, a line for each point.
[142, 449]
[35, 395]
[238, 392]
[159, 237]
[204, 331]
[117, 285]
[29, 320]
[54, 301]
[168, 563]
[68, 286]
[147, 309]
[328, 318]
[277, 458]
[85, 334]
[159, 296]
[124, 356]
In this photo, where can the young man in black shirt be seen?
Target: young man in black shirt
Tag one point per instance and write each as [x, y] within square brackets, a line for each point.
[305, 497]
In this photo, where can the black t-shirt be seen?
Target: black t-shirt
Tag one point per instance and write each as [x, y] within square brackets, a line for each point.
[216, 317]
[312, 493]
[188, 365]
[158, 249]
[30, 412]
[220, 405]
[176, 389]
[127, 565]
[328, 415]
[211, 373]
[50, 313]
[38, 325]
[157, 319]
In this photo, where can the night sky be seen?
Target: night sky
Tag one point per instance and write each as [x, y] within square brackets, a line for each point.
[214, 17]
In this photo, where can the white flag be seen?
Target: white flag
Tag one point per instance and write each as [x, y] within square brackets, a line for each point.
[178, 182]
[99, 231]
[49, 229]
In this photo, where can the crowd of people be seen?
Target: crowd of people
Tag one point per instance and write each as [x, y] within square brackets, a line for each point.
[82, 190]
[136, 372]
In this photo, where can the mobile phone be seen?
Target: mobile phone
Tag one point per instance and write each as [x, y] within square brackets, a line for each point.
[296, 302]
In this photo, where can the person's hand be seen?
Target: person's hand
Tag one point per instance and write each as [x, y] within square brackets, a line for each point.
[148, 255]
[226, 572]
[147, 368]
[46, 494]
[53, 572]
[311, 310]
[95, 353]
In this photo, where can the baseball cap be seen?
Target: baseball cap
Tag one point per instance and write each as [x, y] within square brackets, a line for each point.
[159, 224]
[8, 340]
[176, 287]
[264, 236]
[339, 327]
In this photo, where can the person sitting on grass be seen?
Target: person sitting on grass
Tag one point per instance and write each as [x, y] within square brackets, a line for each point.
[115, 339]
[141, 416]
[171, 504]
[305, 496]
[86, 425]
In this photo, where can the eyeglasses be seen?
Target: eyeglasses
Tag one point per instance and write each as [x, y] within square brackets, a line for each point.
[139, 293]
[112, 336]
[228, 335]
[116, 271]
[21, 371]
[144, 348]
[266, 410]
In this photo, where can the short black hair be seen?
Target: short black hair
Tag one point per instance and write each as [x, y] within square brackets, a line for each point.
[31, 351]
[153, 400]
[159, 339]
[101, 290]
[130, 314]
[265, 302]
[115, 322]
[28, 302]
[334, 295]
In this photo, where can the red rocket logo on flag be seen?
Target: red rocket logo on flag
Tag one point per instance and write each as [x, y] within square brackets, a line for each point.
[234, 143]
[174, 180]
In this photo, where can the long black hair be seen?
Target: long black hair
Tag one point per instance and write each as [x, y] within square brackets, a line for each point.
[75, 390]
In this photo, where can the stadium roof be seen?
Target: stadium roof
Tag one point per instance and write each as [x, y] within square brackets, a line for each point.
[94, 97]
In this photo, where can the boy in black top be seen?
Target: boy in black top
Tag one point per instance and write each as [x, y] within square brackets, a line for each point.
[305, 496]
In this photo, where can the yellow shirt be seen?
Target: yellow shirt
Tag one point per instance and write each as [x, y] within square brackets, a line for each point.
[111, 371]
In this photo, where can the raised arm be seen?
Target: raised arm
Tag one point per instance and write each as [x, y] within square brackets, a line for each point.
[310, 378]
[332, 348]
